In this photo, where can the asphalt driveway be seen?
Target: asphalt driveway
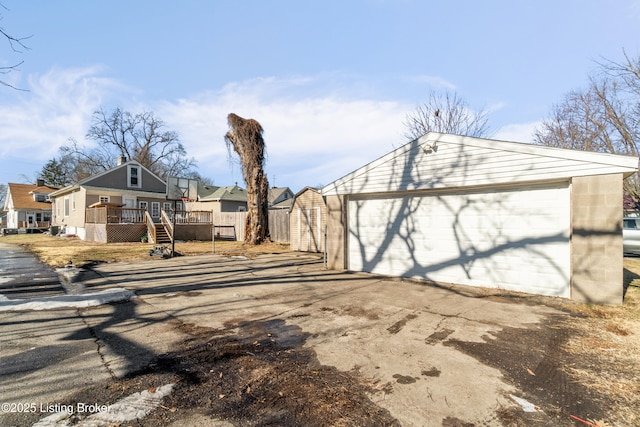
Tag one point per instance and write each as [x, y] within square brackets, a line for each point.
[419, 354]
[23, 276]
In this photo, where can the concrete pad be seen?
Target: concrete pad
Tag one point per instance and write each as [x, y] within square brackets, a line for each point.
[392, 332]
[130, 334]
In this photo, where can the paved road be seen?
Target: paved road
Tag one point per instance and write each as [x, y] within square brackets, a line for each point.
[24, 276]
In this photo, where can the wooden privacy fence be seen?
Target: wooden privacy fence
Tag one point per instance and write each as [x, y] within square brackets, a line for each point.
[230, 225]
[279, 225]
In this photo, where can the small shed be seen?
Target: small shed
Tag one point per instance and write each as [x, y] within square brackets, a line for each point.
[307, 221]
[480, 212]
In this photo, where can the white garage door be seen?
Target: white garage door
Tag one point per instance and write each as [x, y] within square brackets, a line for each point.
[515, 239]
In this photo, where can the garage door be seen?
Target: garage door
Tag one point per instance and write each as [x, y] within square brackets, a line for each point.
[515, 238]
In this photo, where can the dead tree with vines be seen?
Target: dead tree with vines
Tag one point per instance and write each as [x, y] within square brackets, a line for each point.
[245, 137]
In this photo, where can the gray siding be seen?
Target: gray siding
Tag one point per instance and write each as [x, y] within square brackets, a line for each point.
[117, 179]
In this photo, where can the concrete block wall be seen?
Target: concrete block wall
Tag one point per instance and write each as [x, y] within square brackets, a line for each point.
[596, 239]
[336, 232]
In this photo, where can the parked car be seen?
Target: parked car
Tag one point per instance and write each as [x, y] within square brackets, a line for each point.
[631, 236]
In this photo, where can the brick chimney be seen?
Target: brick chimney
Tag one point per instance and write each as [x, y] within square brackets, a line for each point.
[40, 182]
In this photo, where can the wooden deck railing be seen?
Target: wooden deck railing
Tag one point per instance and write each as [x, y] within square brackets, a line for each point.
[151, 228]
[166, 221]
[192, 217]
[107, 215]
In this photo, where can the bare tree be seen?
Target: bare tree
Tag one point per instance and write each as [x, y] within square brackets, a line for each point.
[446, 113]
[245, 136]
[3, 195]
[604, 117]
[17, 46]
[141, 137]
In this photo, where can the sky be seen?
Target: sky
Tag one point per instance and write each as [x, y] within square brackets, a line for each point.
[331, 81]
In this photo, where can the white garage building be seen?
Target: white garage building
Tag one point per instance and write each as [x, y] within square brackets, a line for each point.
[480, 212]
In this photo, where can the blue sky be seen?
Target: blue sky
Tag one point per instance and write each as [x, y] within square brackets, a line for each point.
[331, 82]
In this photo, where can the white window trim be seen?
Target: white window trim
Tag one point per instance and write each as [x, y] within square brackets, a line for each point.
[155, 209]
[107, 199]
[139, 176]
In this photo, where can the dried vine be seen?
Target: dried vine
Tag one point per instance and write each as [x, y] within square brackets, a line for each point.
[245, 137]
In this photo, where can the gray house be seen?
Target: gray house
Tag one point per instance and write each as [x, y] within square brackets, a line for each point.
[105, 207]
[220, 199]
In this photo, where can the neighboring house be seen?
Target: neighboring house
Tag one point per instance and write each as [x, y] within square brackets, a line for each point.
[111, 205]
[28, 206]
[220, 199]
[307, 221]
[479, 212]
[280, 198]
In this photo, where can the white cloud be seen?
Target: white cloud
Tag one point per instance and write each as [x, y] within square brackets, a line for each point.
[58, 105]
[316, 130]
[310, 139]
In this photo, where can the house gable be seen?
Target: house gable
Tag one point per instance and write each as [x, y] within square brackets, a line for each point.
[29, 196]
[279, 195]
[128, 176]
[438, 161]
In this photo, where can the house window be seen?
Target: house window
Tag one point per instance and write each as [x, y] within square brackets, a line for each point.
[73, 201]
[41, 198]
[155, 209]
[66, 206]
[166, 206]
[143, 205]
[133, 176]
[105, 199]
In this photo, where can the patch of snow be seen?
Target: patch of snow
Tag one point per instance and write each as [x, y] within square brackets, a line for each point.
[67, 301]
[135, 406]
[59, 419]
[526, 405]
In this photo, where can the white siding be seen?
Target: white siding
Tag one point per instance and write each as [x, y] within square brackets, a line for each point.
[515, 239]
[456, 162]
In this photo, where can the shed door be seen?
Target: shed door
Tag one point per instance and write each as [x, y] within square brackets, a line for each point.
[515, 239]
[309, 229]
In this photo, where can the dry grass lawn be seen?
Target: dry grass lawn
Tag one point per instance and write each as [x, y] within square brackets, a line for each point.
[58, 252]
[607, 350]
